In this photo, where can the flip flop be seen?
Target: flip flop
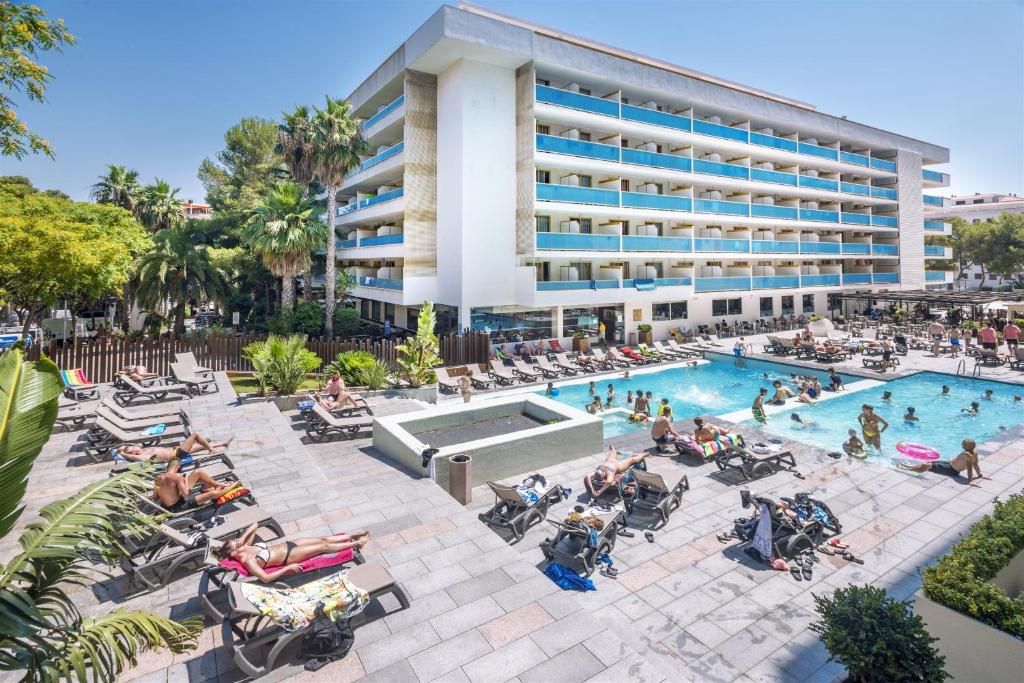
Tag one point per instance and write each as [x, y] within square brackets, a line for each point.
[795, 571]
[835, 454]
[724, 538]
[797, 475]
[836, 543]
[808, 572]
[825, 549]
[649, 536]
[625, 532]
[851, 558]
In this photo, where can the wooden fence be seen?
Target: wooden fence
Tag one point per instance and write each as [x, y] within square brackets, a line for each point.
[101, 360]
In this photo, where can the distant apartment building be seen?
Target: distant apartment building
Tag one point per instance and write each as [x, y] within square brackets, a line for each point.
[199, 212]
[977, 208]
[537, 184]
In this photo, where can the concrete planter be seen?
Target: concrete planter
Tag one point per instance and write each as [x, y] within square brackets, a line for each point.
[581, 344]
[646, 337]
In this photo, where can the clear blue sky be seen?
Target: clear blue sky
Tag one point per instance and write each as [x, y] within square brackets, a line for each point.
[153, 84]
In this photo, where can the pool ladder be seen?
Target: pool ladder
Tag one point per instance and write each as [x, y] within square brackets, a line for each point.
[961, 369]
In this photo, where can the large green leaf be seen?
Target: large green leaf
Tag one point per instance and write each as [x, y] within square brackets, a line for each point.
[28, 408]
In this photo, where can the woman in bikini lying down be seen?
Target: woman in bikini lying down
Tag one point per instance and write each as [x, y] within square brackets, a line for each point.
[195, 443]
[614, 464]
[255, 556]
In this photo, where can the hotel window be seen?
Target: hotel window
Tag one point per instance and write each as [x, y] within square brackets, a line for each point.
[726, 307]
[585, 137]
[364, 308]
[586, 224]
[808, 303]
[375, 311]
[585, 91]
[679, 310]
[543, 223]
[586, 181]
[787, 305]
[735, 306]
[624, 184]
[543, 176]
[511, 323]
[767, 307]
[543, 130]
[389, 313]
[623, 142]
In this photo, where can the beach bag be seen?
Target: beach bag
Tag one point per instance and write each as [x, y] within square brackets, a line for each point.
[325, 640]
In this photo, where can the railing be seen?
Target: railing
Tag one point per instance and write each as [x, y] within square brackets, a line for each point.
[642, 243]
[884, 193]
[935, 226]
[775, 281]
[818, 151]
[565, 285]
[773, 142]
[577, 195]
[370, 201]
[727, 245]
[579, 148]
[935, 275]
[885, 278]
[395, 104]
[656, 118]
[639, 200]
[572, 100]
[885, 221]
[766, 211]
[823, 280]
[582, 241]
[935, 176]
[379, 283]
[777, 177]
[932, 201]
[820, 247]
[379, 157]
[853, 158]
[774, 247]
[721, 284]
[931, 250]
[856, 219]
[819, 215]
[855, 188]
[655, 159]
[344, 244]
[381, 241]
[673, 282]
[856, 278]
[719, 131]
[885, 249]
[856, 248]
[721, 207]
[718, 168]
[883, 165]
[819, 183]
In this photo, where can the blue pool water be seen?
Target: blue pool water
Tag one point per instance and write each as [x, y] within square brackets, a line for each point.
[717, 387]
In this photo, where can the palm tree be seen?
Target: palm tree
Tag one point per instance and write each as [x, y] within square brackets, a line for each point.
[179, 270]
[336, 145]
[283, 230]
[120, 186]
[159, 207]
[295, 146]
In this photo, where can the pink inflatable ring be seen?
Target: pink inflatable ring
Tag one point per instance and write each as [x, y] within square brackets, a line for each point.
[917, 451]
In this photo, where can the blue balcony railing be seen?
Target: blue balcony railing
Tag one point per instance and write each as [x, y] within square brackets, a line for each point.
[772, 141]
[714, 244]
[885, 249]
[579, 148]
[565, 285]
[885, 278]
[777, 177]
[935, 176]
[381, 241]
[819, 183]
[820, 247]
[654, 159]
[380, 156]
[856, 278]
[395, 104]
[932, 201]
[855, 188]
[935, 226]
[885, 221]
[774, 247]
[775, 281]
[577, 195]
[818, 151]
[935, 275]
[673, 282]
[718, 168]
[824, 280]
[719, 131]
[642, 243]
[370, 201]
[819, 215]
[564, 98]
[344, 244]
[883, 165]
[639, 200]
[722, 207]
[379, 283]
[657, 118]
[856, 249]
[582, 241]
[884, 193]
[764, 211]
[932, 250]
[721, 284]
[852, 158]
[856, 219]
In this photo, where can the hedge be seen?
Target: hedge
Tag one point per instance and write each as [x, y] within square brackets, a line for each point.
[960, 579]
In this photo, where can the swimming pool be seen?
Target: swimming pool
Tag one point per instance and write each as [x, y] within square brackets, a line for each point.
[942, 425]
[717, 387]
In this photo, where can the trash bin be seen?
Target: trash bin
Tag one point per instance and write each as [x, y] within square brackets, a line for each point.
[460, 478]
[632, 338]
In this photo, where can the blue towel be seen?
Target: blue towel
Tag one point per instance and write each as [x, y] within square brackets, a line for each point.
[567, 579]
[155, 430]
[304, 405]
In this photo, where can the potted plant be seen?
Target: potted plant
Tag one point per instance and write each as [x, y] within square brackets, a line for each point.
[646, 333]
[580, 341]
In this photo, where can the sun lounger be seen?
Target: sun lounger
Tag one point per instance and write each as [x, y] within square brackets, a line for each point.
[660, 493]
[571, 547]
[648, 352]
[72, 415]
[165, 409]
[77, 386]
[203, 460]
[511, 512]
[199, 384]
[188, 361]
[989, 357]
[105, 435]
[707, 450]
[524, 371]
[1017, 362]
[255, 642]
[134, 423]
[881, 364]
[667, 352]
[750, 466]
[835, 356]
[555, 346]
[321, 423]
[631, 356]
[478, 378]
[547, 369]
[711, 339]
[447, 382]
[565, 365]
[686, 352]
[133, 391]
[789, 537]
[502, 375]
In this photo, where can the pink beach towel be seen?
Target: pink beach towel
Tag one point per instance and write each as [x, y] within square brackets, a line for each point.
[312, 564]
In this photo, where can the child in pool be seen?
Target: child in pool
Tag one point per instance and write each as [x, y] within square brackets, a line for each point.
[611, 393]
[910, 416]
[887, 396]
[593, 389]
[988, 395]
[854, 447]
[629, 397]
[945, 390]
[973, 410]
[594, 405]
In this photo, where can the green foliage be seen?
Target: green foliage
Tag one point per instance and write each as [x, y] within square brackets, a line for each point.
[247, 168]
[119, 187]
[374, 376]
[346, 321]
[159, 207]
[418, 355]
[305, 318]
[349, 364]
[644, 327]
[25, 33]
[960, 580]
[281, 363]
[43, 634]
[996, 245]
[878, 639]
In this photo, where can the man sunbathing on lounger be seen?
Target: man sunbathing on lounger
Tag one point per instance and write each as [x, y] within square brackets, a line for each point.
[705, 432]
[137, 373]
[336, 395]
[256, 556]
[615, 463]
[195, 443]
[175, 492]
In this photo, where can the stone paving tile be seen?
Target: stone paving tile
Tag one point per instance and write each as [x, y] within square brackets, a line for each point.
[449, 655]
[572, 666]
[506, 662]
[397, 647]
[466, 617]
[515, 624]
[566, 632]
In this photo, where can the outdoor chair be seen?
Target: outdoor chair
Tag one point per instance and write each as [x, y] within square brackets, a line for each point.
[188, 361]
[501, 375]
[565, 365]
[524, 371]
[72, 415]
[320, 424]
[749, 466]
[447, 381]
[571, 545]
[547, 369]
[823, 355]
[658, 493]
[990, 357]
[133, 391]
[478, 378]
[1017, 362]
[664, 350]
[200, 384]
[511, 512]
[105, 435]
[881, 364]
[77, 386]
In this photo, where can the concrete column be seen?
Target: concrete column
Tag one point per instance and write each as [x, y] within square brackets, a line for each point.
[911, 216]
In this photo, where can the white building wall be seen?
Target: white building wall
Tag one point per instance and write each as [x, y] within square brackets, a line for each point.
[911, 218]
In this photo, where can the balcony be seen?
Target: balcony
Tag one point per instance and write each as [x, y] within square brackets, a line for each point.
[578, 148]
[724, 245]
[935, 226]
[641, 243]
[656, 118]
[884, 193]
[937, 251]
[765, 211]
[824, 280]
[938, 276]
[776, 281]
[722, 284]
[655, 160]
[885, 250]
[577, 241]
[344, 244]
[577, 195]
[885, 278]
[568, 285]
[885, 221]
[719, 131]
[379, 157]
[667, 202]
[934, 176]
[379, 283]
[721, 207]
[856, 278]
[658, 282]
[718, 168]
[856, 248]
[395, 104]
[773, 142]
[819, 183]
[856, 219]
[820, 247]
[819, 215]
[777, 177]
[774, 247]
[369, 201]
[852, 158]
[818, 151]
[932, 201]
[855, 188]
[883, 165]
[381, 241]
[572, 100]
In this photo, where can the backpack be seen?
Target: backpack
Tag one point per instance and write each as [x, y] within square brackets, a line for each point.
[325, 640]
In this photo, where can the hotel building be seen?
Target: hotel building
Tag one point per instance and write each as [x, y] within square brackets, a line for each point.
[978, 208]
[526, 179]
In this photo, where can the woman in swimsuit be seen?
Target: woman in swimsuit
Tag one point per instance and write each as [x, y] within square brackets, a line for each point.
[256, 556]
[614, 464]
[337, 394]
[869, 426]
[193, 444]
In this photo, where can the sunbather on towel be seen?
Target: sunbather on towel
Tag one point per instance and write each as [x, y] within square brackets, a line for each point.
[256, 556]
[705, 432]
[607, 472]
[137, 372]
[175, 491]
[195, 443]
[336, 395]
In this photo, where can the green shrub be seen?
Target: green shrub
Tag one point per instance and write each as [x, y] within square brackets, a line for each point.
[346, 321]
[306, 318]
[349, 364]
[960, 580]
[373, 376]
[644, 327]
[281, 363]
[418, 355]
[876, 637]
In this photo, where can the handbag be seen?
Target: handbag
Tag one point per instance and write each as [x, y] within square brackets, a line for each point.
[325, 640]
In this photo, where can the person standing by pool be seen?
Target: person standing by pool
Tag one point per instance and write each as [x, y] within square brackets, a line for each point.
[642, 405]
[611, 394]
[593, 389]
[872, 426]
[466, 389]
[936, 331]
[954, 341]
[988, 337]
[1011, 333]
[758, 408]
[662, 431]
[967, 335]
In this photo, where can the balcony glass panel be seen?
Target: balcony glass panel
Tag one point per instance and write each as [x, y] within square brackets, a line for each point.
[931, 175]
[819, 215]
[719, 131]
[885, 249]
[344, 244]
[654, 159]
[348, 208]
[885, 221]
[934, 275]
[855, 188]
[763, 211]
[718, 206]
[380, 283]
[579, 148]
[820, 247]
[772, 141]
[851, 158]
[818, 151]
[932, 201]
[573, 240]
[857, 249]
[932, 250]
[884, 193]
[641, 243]
[885, 278]
[883, 165]
[381, 241]
[563, 285]
[824, 280]
[774, 247]
[573, 100]
[639, 200]
[395, 104]
[381, 198]
[735, 246]
[856, 218]
[721, 284]
[658, 118]
[673, 282]
[856, 278]
[818, 183]
[578, 195]
[717, 168]
[937, 226]
[380, 156]
[776, 281]
[777, 177]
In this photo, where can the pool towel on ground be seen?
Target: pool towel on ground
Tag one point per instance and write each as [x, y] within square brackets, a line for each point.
[294, 608]
[567, 579]
[313, 563]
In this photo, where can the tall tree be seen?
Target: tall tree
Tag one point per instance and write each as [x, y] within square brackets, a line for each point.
[336, 145]
[159, 206]
[283, 229]
[295, 144]
[119, 186]
[25, 33]
[242, 172]
[1005, 240]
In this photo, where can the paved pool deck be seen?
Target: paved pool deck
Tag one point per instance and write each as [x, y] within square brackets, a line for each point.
[684, 607]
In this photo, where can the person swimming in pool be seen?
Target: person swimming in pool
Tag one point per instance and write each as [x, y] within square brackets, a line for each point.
[800, 423]
[611, 394]
[973, 410]
[887, 396]
[871, 426]
[988, 395]
[594, 406]
[593, 389]
[910, 416]
[854, 447]
[945, 390]
[781, 393]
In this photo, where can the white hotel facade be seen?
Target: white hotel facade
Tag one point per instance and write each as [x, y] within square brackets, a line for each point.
[532, 180]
